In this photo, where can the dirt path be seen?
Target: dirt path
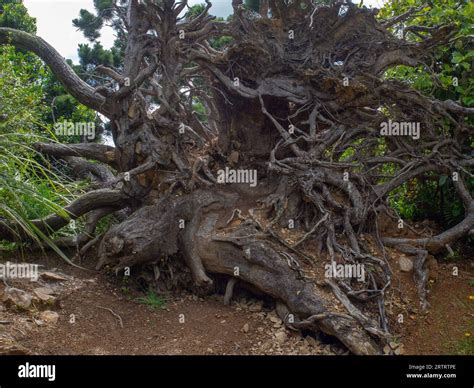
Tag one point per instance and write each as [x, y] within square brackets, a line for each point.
[186, 325]
[448, 325]
[92, 310]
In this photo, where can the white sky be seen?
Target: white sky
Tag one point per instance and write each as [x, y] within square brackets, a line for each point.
[54, 21]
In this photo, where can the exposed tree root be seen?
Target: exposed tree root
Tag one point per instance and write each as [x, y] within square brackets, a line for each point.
[242, 252]
[305, 113]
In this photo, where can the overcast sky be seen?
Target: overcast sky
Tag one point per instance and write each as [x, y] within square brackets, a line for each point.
[54, 21]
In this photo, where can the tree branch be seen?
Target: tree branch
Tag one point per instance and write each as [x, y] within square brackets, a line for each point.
[88, 202]
[84, 93]
[100, 152]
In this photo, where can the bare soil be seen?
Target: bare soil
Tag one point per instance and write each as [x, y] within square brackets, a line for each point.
[190, 325]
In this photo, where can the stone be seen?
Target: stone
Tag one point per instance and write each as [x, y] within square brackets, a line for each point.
[400, 350]
[274, 319]
[9, 347]
[280, 336]
[246, 328]
[406, 265]
[45, 290]
[16, 297]
[256, 307]
[53, 276]
[304, 349]
[43, 295]
[39, 322]
[49, 317]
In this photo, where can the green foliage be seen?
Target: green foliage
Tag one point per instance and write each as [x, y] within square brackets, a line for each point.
[20, 92]
[152, 300]
[97, 55]
[62, 106]
[433, 198]
[195, 11]
[104, 8]
[31, 186]
[464, 346]
[451, 75]
[200, 110]
[28, 188]
[221, 42]
[14, 14]
[89, 23]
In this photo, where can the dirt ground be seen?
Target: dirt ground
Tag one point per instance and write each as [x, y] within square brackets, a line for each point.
[448, 325]
[97, 315]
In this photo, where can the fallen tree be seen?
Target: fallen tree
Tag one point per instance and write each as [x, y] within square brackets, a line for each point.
[291, 141]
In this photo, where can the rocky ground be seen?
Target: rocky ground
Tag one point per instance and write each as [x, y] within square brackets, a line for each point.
[72, 311]
[76, 314]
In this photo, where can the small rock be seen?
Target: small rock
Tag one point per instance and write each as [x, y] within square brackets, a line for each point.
[406, 265]
[44, 294]
[246, 328]
[49, 316]
[45, 290]
[400, 350]
[16, 297]
[274, 319]
[53, 276]
[386, 349]
[304, 349]
[280, 336]
[9, 347]
[256, 307]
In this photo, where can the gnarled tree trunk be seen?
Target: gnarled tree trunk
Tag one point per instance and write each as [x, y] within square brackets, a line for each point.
[299, 98]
